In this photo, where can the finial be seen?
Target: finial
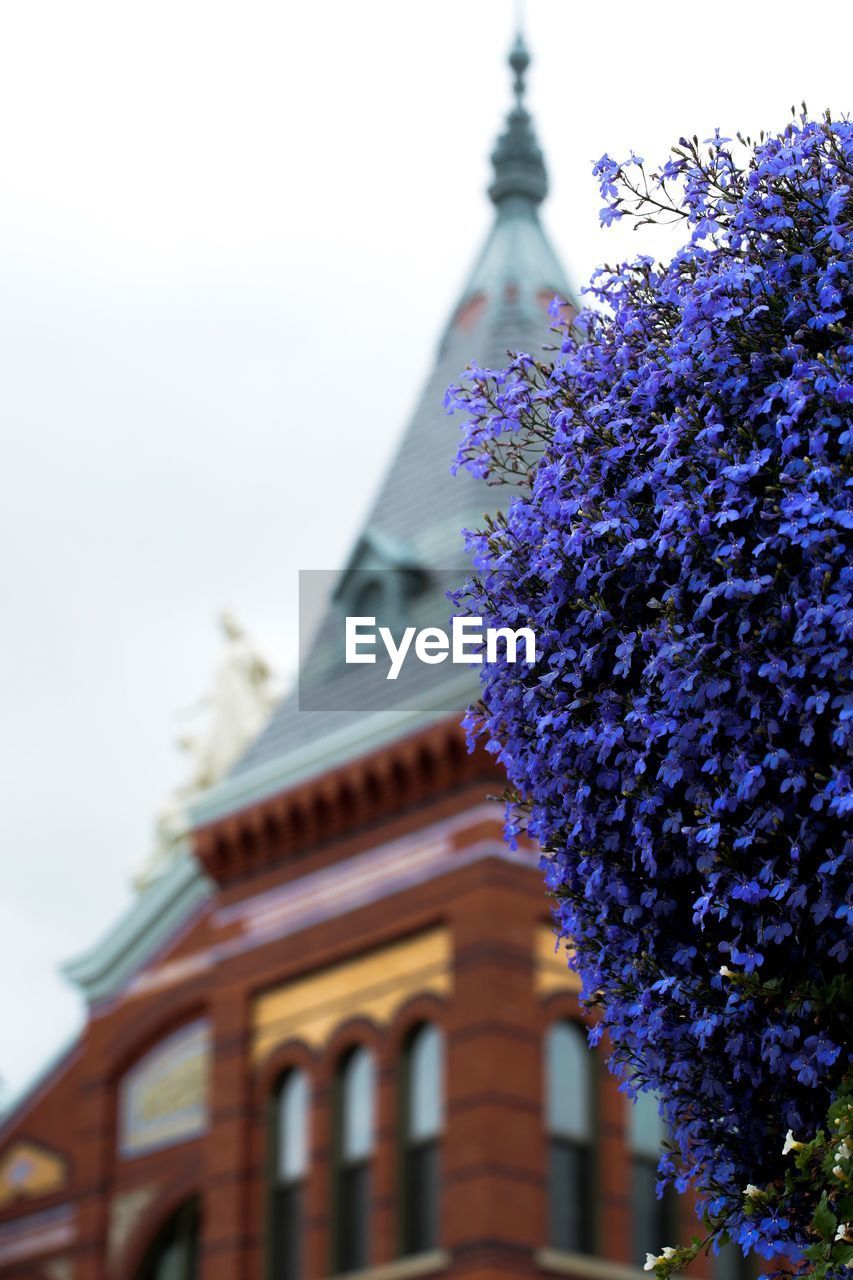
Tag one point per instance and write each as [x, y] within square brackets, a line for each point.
[519, 167]
[519, 61]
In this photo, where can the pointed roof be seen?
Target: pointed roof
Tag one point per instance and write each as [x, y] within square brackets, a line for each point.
[414, 524]
[519, 167]
[420, 507]
[517, 259]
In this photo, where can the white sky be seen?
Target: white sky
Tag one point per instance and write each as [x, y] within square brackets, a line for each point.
[229, 236]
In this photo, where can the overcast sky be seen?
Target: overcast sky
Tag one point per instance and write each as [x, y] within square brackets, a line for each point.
[229, 236]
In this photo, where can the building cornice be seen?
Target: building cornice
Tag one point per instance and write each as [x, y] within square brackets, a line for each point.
[339, 802]
[248, 787]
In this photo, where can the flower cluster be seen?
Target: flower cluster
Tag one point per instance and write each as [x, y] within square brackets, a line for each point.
[680, 542]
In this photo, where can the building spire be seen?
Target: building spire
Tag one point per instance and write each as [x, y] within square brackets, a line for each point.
[519, 61]
[519, 167]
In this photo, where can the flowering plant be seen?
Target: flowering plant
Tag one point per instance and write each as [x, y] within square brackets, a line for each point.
[680, 542]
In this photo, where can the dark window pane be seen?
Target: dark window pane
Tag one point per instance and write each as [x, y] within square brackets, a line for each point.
[174, 1255]
[421, 1182]
[191, 1247]
[291, 1166]
[354, 1141]
[353, 1217]
[649, 1215]
[570, 1203]
[170, 1263]
[288, 1232]
[730, 1264]
[423, 1121]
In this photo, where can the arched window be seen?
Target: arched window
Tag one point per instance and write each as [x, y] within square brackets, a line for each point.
[291, 1167]
[174, 1253]
[651, 1217]
[354, 1149]
[423, 1121]
[569, 1122]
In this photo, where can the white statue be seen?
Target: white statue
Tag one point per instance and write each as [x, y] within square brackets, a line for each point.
[238, 705]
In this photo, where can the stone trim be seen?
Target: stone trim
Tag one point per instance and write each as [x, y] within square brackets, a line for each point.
[585, 1266]
[421, 1264]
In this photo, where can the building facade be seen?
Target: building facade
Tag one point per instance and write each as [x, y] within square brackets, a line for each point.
[333, 1035]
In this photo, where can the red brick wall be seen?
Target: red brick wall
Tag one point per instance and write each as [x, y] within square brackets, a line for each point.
[493, 1213]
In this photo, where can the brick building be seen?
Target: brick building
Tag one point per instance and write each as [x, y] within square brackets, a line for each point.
[333, 1035]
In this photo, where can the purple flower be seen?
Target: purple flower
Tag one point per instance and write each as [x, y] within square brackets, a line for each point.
[683, 550]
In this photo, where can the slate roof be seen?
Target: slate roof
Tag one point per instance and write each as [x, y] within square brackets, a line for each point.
[420, 508]
[414, 523]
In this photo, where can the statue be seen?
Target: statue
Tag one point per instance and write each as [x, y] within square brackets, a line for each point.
[239, 703]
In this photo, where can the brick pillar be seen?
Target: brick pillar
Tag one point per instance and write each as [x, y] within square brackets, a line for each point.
[318, 1187]
[385, 1167]
[226, 1179]
[94, 1157]
[493, 1204]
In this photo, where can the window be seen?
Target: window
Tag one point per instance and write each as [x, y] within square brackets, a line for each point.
[730, 1264]
[651, 1217]
[355, 1138]
[291, 1167]
[174, 1253]
[569, 1120]
[423, 1121]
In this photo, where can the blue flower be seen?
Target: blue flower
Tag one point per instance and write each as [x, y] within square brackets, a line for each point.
[683, 550]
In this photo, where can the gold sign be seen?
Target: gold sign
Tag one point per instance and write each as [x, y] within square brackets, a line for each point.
[372, 986]
[163, 1098]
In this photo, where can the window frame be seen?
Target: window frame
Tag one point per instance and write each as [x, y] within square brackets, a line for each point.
[665, 1208]
[353, 1170]
[293, 1188]
[585, 1149]
[419, 1151]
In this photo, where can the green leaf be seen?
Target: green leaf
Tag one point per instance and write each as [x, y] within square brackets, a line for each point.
[824, 1220]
